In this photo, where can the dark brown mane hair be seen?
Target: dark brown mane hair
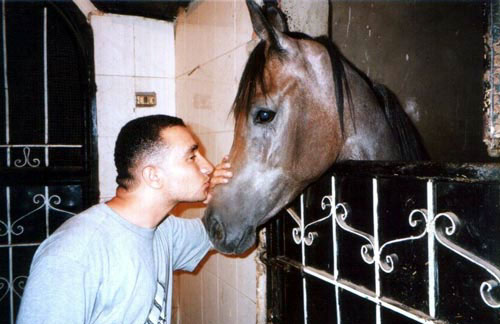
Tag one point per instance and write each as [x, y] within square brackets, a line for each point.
[410, 143]
[253, 76]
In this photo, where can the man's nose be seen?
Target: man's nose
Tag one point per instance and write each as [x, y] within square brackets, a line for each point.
[205, 166]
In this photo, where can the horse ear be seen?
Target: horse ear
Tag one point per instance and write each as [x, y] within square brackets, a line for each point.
[261, 25]
[276, 17]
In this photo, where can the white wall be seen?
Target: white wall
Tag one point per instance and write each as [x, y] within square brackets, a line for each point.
[132, 54]
[212, 46]
[213, 39]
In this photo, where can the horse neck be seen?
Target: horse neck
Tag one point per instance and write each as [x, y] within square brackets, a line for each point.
[367, 134]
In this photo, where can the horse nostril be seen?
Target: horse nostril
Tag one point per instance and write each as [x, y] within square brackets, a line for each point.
[218, 233]
[217, 230]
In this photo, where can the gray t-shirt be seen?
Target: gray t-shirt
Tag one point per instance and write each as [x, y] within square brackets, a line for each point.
[99, 268]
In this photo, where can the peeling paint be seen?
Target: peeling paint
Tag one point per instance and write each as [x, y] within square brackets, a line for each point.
[261, 306]
[491, 79]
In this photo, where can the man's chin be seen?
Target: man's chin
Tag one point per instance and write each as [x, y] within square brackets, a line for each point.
[202, 197]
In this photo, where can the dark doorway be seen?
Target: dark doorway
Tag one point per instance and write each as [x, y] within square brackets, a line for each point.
[48, 157]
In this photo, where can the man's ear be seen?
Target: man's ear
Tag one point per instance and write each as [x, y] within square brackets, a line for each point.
[152, 176]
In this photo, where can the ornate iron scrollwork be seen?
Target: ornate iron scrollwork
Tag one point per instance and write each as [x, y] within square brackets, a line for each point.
[388, 262]
[486, 287]
[42, 201]
[21, 163]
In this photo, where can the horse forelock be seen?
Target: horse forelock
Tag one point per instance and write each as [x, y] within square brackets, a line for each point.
[253, 77]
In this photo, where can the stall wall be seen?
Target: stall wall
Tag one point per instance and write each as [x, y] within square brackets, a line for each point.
[132, 54]
[431, 54]
[212, 41]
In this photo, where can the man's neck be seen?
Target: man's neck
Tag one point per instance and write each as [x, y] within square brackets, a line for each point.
[139, 209]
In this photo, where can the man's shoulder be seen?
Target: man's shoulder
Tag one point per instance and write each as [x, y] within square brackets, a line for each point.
[78, 235]
[87, 223]
[178, 229]
[172, 222]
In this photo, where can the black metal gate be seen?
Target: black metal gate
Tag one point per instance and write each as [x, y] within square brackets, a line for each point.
[389, 243]
[48, 164]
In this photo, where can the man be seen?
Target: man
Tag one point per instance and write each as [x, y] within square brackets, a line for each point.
[113, 263]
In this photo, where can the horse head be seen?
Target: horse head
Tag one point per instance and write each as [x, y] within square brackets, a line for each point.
[290, 126]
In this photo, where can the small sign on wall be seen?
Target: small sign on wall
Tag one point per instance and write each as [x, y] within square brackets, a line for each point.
[145, 99]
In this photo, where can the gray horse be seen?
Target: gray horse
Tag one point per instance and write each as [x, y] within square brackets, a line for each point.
[300, 107]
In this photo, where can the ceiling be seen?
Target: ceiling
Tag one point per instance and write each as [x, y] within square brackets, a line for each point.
[157, 9]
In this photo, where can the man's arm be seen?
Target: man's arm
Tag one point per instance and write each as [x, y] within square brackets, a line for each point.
[189, 241]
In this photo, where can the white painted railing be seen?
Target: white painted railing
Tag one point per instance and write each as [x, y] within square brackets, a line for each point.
[372, 252]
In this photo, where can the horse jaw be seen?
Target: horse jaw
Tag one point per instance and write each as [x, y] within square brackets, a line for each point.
[253, 196]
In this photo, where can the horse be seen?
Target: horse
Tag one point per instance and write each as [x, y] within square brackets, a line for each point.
[300, 107]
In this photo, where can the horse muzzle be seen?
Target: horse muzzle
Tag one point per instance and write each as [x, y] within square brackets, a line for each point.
[226, 238]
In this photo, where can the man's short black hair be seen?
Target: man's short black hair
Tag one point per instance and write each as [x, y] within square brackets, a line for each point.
[138, 139]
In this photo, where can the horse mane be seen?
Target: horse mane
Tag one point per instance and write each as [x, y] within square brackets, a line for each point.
[402, 128]
[253, 76]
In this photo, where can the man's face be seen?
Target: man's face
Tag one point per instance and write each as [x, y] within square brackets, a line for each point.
[186, 170]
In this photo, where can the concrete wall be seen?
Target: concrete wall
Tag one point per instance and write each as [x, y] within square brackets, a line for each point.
[132, 54]
[212, 41]
[431, 54]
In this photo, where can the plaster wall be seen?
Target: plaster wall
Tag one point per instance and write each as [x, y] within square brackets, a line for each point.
[431, 54]
[212, 41]
[132, 54]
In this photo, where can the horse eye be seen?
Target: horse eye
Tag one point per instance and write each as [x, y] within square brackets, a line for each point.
[264, 116]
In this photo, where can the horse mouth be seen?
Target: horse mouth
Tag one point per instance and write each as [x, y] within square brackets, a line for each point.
[238, 246]
[246, 241]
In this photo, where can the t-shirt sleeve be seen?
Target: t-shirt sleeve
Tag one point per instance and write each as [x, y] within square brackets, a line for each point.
[189, 241]
[58, 290]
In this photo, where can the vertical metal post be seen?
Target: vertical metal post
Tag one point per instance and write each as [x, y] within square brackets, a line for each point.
[47, 203]
[376, 248]
[7, 141]
[304, 288]
[45, 87]
[6, 83]
[335, 249]
[9, 242]
[431, 251]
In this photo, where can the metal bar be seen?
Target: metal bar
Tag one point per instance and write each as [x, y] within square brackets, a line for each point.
[335, 250]
[47, 205]
[9, 241]
[376, 250]
[334, 230]
[6, 83]
[41, 145]
[45, 86]
[431, 250]
[19, 245]
[365, 294]
[302, 230]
